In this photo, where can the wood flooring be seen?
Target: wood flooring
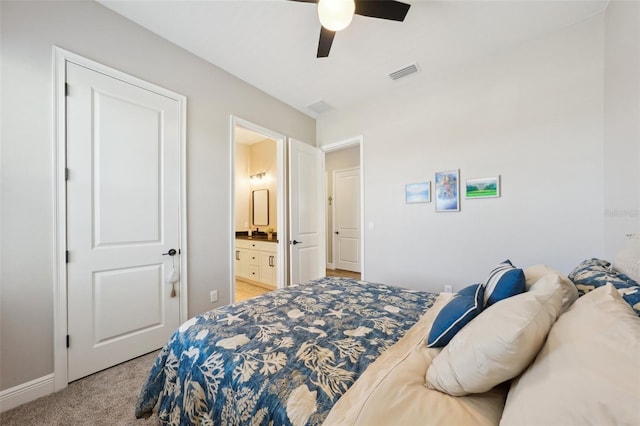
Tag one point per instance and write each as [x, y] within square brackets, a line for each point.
[343, 273]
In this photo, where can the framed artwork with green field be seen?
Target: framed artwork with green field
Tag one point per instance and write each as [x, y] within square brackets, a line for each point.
[488, 187]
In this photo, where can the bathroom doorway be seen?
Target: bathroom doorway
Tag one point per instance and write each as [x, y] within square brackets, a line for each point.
[258, 212]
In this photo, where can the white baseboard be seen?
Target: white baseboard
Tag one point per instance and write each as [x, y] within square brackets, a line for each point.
[26, 392]
[330, 266]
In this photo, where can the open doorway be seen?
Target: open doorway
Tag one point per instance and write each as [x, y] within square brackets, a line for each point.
[257, 210]
[344, 203]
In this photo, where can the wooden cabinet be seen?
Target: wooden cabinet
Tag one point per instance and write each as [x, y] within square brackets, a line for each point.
[256, 261]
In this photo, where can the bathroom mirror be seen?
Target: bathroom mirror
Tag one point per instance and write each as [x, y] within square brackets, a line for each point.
[260, 204]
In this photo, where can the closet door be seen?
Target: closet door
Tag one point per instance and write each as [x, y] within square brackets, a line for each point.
[123, 202]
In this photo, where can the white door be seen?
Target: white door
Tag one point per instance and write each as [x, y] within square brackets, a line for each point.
[306, 212]
[346, 220]
[123, 201]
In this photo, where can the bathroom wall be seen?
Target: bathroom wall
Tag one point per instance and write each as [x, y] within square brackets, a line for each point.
[263, 158]
[242, 188]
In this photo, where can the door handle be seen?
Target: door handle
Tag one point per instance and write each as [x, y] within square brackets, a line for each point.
[237, 254]
[336, 232]
[294, 242]
[171, 252]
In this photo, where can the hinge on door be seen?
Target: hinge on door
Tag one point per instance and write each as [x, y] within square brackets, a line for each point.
[68, 340]
[66, 173]
[66, 256]
[66, 89]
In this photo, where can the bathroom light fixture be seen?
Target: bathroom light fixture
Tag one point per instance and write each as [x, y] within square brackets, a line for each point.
[258, 176]
[336, 15]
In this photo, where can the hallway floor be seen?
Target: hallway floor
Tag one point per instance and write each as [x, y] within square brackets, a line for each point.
[343, 273]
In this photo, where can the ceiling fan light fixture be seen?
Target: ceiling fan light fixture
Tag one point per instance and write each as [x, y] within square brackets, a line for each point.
[336, 15]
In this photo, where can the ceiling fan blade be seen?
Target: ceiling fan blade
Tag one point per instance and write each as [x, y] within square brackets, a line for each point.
[383, 9]
[324, 44]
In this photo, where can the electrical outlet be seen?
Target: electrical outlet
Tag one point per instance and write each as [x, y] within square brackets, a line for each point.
[448, 289]
[213, 296]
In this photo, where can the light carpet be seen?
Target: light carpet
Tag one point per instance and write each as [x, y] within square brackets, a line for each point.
[105, 398]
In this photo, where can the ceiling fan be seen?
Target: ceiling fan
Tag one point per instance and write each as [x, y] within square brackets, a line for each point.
[336, 15]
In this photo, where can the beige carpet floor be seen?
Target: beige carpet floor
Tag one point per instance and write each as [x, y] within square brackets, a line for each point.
[105, 398]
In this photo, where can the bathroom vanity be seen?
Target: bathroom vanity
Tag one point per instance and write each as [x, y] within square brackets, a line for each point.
[256, 260]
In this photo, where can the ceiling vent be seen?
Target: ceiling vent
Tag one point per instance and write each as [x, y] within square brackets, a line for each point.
[403, 72]
[320, 107]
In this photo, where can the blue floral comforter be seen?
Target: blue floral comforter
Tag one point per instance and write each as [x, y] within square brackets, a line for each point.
[593, 273]
[282, 358]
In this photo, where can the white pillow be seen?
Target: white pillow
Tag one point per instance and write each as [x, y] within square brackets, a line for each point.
[499, 343]
[627, 260]
[570, 293]
[587, 372]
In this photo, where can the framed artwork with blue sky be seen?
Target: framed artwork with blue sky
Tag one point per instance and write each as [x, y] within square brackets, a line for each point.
[418, 192]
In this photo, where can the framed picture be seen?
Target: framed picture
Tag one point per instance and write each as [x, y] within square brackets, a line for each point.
[418, 192]
[483, 187]
[448, 191]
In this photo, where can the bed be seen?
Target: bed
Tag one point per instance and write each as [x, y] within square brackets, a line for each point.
[529, 347]
[284, 357]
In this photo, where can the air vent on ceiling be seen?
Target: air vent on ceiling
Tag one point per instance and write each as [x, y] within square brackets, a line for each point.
[320, 107]
[403, 72]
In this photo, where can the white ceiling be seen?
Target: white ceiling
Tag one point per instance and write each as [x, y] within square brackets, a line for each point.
[272, 44]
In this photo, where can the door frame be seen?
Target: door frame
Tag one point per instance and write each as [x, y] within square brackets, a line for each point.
[334, 237]
[336, 146]
[60, 325]
[281, 197]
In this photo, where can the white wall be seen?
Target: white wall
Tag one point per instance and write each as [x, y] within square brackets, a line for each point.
[533, 115]
[28, 31]
[621, 124]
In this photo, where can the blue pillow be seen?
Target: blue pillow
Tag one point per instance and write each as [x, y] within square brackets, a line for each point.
[504, 281]
[460, 310]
